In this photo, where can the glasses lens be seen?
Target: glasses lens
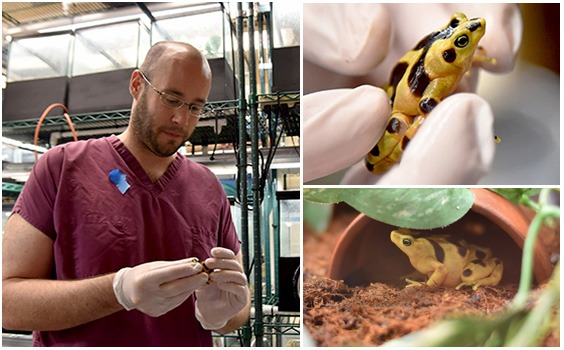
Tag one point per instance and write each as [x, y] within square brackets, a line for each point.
[170, 100]
[204, 110]
[197, 111]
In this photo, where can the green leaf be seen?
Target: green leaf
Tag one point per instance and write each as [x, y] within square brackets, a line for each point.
[464, 332]
[514, 194]
[317, 216]
[323, 195]
[415, 208]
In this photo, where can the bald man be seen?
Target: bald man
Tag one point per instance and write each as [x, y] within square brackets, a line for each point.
[122, 241]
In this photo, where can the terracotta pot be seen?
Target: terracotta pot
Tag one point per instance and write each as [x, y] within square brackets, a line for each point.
[365, 254]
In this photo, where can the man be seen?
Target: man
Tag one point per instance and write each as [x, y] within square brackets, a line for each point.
[103, 245]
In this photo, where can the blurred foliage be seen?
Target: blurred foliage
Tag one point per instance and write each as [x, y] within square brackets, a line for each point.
[414, 208]
[317, 216]
[527, 320]
[514, 195]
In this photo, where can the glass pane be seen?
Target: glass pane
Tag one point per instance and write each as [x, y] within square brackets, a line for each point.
[290, 240]
[203, 31]
[106, 48]
[39, 58]
[286, 24]
[144, 44]
[228, 47]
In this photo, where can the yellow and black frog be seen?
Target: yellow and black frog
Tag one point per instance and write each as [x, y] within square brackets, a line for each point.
[422, 78]
[448, 262]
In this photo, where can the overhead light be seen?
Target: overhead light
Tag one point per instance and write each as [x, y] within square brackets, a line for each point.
[26, 146]
[184, 10]
[67, 7]
[75, 26]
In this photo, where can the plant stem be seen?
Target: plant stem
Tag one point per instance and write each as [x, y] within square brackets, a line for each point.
[545, 211]
[528, 202]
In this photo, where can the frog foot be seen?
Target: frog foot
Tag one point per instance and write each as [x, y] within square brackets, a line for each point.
[413, 283]
[474, 285]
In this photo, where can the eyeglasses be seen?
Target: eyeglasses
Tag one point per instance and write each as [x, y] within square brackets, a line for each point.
[175, 102]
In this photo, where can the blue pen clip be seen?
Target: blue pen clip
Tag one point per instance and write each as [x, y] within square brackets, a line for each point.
[118, 178]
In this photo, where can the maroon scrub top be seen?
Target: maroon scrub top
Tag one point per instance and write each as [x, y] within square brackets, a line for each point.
[97, 229]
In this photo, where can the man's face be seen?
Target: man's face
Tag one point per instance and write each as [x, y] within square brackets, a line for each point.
[161, 139]
[163, 129]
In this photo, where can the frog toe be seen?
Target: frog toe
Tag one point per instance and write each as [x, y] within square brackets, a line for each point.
[413, 283]
[462, 285]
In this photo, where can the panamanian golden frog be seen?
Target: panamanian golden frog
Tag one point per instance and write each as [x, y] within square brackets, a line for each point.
[448, 262]
[422, 78]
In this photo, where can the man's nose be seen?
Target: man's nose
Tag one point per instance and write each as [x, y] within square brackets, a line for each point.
[181, 116]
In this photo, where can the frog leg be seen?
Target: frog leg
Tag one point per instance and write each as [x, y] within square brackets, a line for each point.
[439, 275]
[400, 146]
[432, 95]
[481, 56]
[437, 278]
[491, 279]
[381, 157]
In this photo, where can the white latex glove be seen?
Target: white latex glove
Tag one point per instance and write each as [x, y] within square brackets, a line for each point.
[227, 292]
[460, 125]
[342, 126]
[335, 117]
[157, 287]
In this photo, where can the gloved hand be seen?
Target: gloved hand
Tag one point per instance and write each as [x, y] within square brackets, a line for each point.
[341, 126]
[226, 294]
[461, 124]
[157, 287]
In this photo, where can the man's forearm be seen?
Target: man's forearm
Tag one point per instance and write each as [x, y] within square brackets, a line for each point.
[47, 305]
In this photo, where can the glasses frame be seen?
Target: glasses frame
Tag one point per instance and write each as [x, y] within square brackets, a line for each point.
[195, 110]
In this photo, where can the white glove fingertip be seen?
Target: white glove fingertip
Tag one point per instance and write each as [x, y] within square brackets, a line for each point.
[350, 47]
[342, 126]
[222, 253]
[505, 23]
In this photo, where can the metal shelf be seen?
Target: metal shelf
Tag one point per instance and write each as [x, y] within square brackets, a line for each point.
[59, 121]
[96, 119]
[99, 120]
[290, 97]
[280, 330]
[11, 189]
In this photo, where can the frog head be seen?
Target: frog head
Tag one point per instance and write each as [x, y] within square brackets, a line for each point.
[455, 50]
[409, 244]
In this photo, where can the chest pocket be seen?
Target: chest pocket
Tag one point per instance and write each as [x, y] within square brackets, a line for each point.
[91, 246]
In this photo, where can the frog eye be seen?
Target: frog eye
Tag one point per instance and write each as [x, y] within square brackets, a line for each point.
[461, 41]
[406, 242]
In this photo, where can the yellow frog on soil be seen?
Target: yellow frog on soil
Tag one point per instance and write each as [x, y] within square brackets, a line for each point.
[448, 262]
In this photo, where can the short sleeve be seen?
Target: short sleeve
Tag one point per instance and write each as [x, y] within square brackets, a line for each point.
[36, 202]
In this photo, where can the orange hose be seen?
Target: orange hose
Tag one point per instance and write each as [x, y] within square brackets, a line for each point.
[44, 115]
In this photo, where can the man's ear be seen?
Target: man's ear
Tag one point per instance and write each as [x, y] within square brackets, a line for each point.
[135, 83]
